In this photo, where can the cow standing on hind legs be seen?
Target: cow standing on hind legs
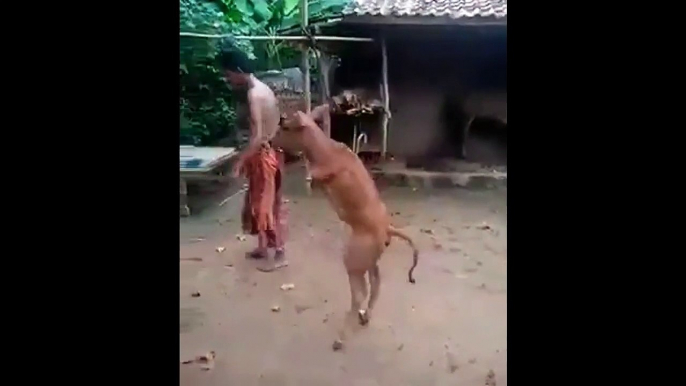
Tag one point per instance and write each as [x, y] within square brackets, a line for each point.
[355, 198]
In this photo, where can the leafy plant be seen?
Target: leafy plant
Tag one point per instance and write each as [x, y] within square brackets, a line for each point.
[206, 105]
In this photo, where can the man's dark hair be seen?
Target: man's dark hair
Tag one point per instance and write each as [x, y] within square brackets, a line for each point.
[231, 57]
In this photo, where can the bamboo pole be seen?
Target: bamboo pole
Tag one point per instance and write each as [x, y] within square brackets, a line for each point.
[297, 38]
[325, 63]
[305, 57]
[306, 83]
[387, 110]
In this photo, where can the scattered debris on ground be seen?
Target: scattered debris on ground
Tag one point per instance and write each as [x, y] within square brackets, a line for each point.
[299, 309]
[490, 378]
[287, 287]
[451, 360]
[458, 237]
[483, 226]
[206, 361]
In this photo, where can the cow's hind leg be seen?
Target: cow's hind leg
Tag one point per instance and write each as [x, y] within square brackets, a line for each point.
[374, 288]
[372, 253]
[358, 294]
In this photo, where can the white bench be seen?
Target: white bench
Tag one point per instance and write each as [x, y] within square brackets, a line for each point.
[201, 163]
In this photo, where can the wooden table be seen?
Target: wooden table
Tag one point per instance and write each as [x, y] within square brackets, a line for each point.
[201, 163]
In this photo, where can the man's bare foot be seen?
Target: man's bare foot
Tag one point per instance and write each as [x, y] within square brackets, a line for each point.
[257, 254]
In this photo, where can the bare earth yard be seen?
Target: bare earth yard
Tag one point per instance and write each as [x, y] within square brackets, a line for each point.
[450, 328]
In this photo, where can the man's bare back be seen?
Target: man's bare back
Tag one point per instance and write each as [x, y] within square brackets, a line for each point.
[261, 97]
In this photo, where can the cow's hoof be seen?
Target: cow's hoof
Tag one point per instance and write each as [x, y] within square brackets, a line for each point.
[363, 316]
[337, 345]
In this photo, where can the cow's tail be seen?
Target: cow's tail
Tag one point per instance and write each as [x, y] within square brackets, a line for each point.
[392, 231]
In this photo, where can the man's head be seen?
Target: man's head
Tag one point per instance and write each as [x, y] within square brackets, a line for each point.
[235, 64]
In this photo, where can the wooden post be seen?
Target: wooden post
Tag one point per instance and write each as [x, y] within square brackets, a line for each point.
[306, 84]
[304, 21]
[387, 110]
[324, 62]
[184, 211]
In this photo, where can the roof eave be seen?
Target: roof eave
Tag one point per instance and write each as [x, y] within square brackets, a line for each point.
[424, 20]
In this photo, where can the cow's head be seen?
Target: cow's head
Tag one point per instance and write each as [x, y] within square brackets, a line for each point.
[294, 132]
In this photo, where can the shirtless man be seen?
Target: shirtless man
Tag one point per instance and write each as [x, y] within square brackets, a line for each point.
[260, 162]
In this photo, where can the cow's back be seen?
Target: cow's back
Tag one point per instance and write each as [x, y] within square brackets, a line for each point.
[352, 189]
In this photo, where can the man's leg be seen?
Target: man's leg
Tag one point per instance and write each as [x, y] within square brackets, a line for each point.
[250, 225]
[279, 220]
[277, 234]
[261, 251]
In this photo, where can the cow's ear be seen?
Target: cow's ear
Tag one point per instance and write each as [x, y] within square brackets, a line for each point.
[299, 116]
[301, 120]
[306, 120]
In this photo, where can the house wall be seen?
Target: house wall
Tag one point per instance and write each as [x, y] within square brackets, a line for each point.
[415, 126]
[426, 69]
[342, 129]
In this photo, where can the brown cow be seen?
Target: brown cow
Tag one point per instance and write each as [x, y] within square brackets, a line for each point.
[355, 198]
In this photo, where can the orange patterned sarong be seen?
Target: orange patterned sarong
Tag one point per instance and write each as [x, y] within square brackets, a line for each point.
[262, 205]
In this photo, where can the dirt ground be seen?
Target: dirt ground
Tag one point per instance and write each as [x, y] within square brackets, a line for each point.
[450, 328]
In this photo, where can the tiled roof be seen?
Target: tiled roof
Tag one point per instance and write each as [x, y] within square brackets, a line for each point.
[454, 9]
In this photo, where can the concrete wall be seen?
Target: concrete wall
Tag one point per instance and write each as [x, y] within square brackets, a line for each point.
[426, 70]
[419, 127]
[415, 128]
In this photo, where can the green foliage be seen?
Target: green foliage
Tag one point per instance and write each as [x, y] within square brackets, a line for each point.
[205, 102]
[207, 111]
